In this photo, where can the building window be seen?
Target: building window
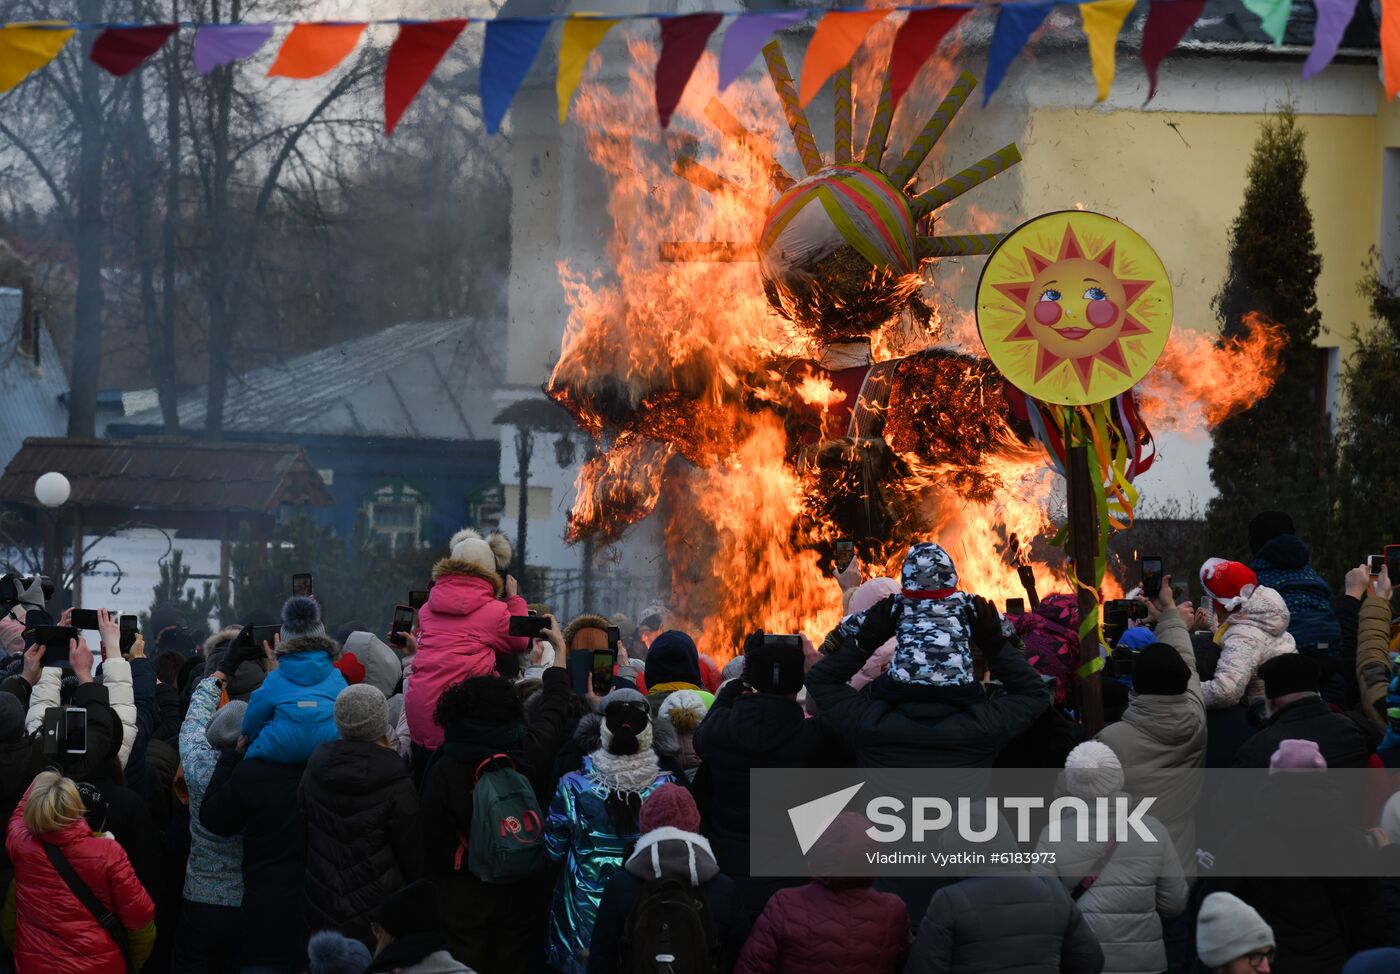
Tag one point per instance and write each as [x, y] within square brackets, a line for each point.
[397, 514]
[539, 504]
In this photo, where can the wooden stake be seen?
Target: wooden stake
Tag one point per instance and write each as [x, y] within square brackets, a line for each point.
[1083, 547]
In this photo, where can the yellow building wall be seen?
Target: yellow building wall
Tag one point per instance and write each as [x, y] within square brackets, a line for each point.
[1181, 184]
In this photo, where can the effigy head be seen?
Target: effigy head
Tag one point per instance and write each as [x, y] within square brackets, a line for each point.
[838, 253]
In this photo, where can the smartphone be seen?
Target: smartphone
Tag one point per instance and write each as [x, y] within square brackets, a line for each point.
[129, 628]
[1015, 607]
[85, 619]
[55, 640]
[75, 730]
[845, 554]
[418, 598]
[580, 666]
[1126, 609]
[1392, 562]
[403, 622]
[1151, 576]
[265, 634]
[603, 662]
[1375, 564]
[614, 638]
[528, 626]
[301, 585]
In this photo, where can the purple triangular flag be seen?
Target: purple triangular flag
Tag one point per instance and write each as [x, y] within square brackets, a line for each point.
[1333, 16]
[218, 44]
[746, 37]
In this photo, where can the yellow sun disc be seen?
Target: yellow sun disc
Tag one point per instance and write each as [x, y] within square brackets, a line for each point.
[1074, 307]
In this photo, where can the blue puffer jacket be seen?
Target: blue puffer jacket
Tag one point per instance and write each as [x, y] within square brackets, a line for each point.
[292, 713]
[1282, 565]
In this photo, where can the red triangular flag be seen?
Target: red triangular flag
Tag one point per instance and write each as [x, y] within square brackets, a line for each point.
[121, 50]
[915, 43]
[413, 57]
[682, 42]
[1167, 23]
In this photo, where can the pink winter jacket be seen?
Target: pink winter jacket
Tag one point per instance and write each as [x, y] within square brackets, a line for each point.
[461, 628]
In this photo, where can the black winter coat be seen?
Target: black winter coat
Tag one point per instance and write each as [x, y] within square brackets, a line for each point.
[1004, 925]
[1345, 740]
[927, 734]
[743, 731]
[360, 808]
[259, 799]
[490, 926]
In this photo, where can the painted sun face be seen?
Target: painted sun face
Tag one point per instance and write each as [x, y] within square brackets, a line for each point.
[1078, 326]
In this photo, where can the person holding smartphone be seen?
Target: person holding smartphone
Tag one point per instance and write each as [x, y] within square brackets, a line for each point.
[463, 625]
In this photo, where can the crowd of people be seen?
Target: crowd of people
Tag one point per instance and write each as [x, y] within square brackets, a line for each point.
[451, 799]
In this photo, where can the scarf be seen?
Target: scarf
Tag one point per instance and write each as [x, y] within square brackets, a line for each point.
[626, 773]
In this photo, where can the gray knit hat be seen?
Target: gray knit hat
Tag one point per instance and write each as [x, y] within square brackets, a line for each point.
[361, 713]
[1228, 928]
[227, 725]
[301, 616]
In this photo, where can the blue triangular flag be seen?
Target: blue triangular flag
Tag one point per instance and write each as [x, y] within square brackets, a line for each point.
[1016, 22]
[511, 46]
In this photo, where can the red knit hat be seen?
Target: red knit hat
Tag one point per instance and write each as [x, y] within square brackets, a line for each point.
[669, 805]
[1228, 582]
[351, 668]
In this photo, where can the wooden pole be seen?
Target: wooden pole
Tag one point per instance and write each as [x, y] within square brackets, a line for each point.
[1083, 547]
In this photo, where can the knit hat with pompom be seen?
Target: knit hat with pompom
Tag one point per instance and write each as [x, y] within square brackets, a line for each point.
[491, 554]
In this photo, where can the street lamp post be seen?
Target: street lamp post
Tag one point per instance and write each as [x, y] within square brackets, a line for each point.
[52, 491]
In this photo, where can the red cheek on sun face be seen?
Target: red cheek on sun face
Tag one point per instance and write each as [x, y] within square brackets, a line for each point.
[1047, 312]
[1101, 314]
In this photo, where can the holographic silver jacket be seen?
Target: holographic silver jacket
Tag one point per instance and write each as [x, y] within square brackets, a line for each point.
[579, 831]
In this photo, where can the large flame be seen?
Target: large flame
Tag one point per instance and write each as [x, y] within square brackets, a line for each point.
[672, 366]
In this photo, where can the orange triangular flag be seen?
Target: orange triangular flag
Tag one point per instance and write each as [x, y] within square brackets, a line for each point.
[832, 46]
[311, 50]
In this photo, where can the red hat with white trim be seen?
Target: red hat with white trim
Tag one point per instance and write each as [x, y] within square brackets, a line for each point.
[1228, 582]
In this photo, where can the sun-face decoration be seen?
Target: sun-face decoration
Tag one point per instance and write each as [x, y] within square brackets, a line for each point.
[841, 246]
[1074, 307]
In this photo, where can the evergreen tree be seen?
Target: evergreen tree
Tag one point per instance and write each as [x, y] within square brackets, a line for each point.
[1277, 455]
[1368, 428]
[174, 587]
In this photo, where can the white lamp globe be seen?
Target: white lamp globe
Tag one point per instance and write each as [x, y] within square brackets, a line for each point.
[53, 489]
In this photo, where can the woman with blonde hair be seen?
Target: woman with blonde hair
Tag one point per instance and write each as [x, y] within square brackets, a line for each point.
[65, 875]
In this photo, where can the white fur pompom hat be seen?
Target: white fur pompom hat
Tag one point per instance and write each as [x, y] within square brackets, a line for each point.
[491, 554]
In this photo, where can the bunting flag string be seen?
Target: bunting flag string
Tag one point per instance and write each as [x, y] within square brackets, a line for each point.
[25, 48]
[312, 49]
[746, 37]
[218, 44]
[1016, 22]
[683, 40]
[581, 36]
[511, 46]
[412, 58]
[838, 36]
[915, 42]
[1167, 23]
[121, 50]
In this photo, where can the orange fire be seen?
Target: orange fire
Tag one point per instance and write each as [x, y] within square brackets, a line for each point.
[674, 367]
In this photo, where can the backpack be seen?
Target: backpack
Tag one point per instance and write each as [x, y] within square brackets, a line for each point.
[506, 842]
[670, 931]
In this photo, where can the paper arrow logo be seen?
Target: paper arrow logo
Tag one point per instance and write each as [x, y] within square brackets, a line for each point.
[811, 819]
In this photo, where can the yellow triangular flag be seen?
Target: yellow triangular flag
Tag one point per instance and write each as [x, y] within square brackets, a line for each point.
[27, 47]
[1102, 21]
[582, 33]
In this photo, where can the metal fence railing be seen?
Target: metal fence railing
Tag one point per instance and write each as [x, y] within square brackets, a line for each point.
[612, 591]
